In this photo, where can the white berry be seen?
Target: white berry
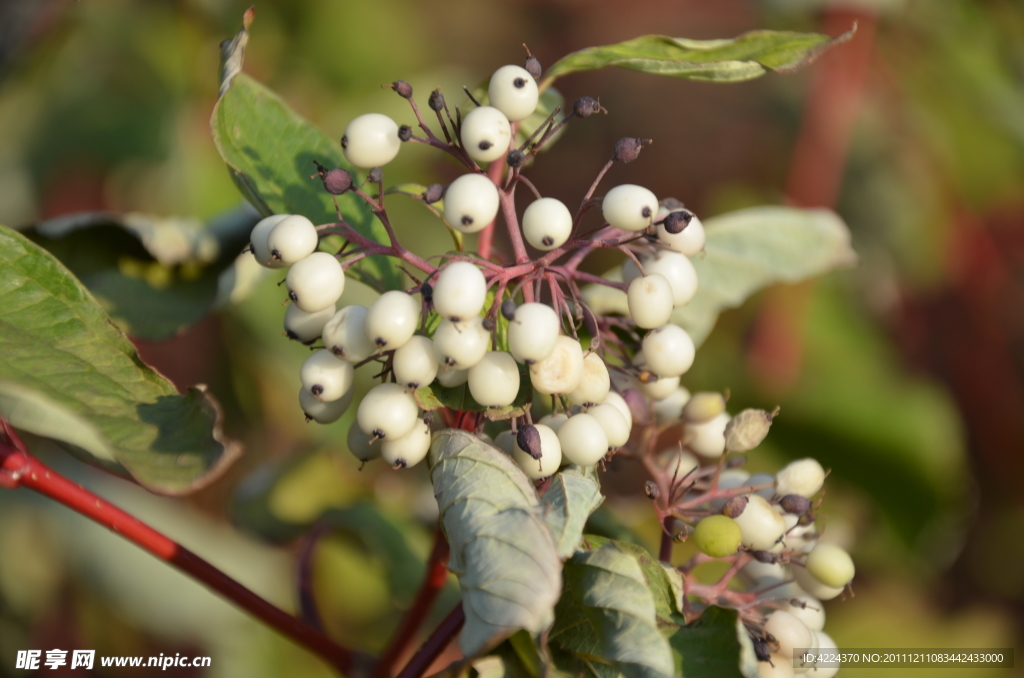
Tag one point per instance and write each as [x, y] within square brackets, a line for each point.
[292, 239]
[326, 376]
[809, 610]
[486, 133]
[670, 407]
[461, 345]
[826, 646]
[830, 564]
[414, 363]
[344, 335]
[392, 319]
[550, 459]
[708, 439]
[451, 377]
[678, 271]
[460, 291]
[303, 327]
[562, 371]
[583, 440]
[324, 412]
[669, 351]
[388, 411]
[620, 404]
[554, 421]
[803, 477]
[650, 300]
[513, 91]
[505, 441]
[494, 380]
[371, 140]
[689, 241]
[616, 427]
[360, 444]
[815, 588]
[547, 223]
[761, 525]
[629, 207]
[408, 450]
[533, 332]
[789, 632]
[470, 203]
[595, 384]
[659, 389]
[316, 282]
[258, 241]
[777, 667]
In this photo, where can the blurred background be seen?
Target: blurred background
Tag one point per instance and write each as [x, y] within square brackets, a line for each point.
[905, 376]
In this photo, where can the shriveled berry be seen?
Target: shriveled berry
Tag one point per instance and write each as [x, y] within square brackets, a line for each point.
[433, 193]
[747, 429]
[584, 107]
[508, 309]
[533, 67]
[528, 439]
[515, 158]
[402, 88]
[627, 149]
[734, 507]
[794, 503]
[375, 176]
[336, 181]
[436, 101]
[404, 133]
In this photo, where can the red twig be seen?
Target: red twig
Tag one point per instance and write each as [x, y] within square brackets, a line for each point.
[433, 582]
[435, 644]
[18, 468]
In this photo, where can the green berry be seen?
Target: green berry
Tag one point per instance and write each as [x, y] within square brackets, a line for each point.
[718, 536]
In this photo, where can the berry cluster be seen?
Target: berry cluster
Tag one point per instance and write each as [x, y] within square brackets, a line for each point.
[517, 333]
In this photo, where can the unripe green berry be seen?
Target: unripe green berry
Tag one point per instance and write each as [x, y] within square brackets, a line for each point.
[830, 564]
[717, 536]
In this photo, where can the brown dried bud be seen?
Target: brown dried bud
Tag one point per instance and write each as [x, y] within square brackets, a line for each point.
[676, 221]
[528, 439]
[436, 101]
[762, 650]
[651, 490]
[627, 149]
[508, 309]
[532, 67]
[433, 193]
[584, 107]
[515, 158]
[336, 181]
[703, 407]
[404, 133]
[794, 503]
[746, 430]
[765, 557]
[488, 323]
[735, 506]
[375, 176]
[403, 88]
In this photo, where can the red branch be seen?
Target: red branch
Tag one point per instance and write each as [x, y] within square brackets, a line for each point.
[433, 582]
[18, 468]
[435, 644]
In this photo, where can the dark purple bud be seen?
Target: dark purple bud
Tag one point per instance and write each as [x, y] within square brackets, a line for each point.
[375, 176]
[761, 649]
[488, 323]
[427, 290]
[403, 88]
[584, 107]
[515, 158]
[676, 221]
[794, 503]
[404, 133]
[433, 193]
[528, 439]
[627, 149]
[508, 309]
[734, 507]
[436, 101]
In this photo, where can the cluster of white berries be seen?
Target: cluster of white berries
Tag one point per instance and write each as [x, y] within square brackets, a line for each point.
[449, 330]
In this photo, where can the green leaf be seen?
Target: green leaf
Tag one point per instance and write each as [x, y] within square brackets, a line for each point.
[664, 581]
[715, 645]
[270, 150]
[607, 616]
[574, 493]
[154, 275]
[501, 550]
[748, 56]
[61, 356]
[753, 248]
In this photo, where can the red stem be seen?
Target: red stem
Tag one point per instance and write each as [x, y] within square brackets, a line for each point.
[18, 468]
[435, 644]
[437, 575]
[665, 553]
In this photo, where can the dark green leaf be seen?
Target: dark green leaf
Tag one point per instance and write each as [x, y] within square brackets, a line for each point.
[270, 151]
[501, 550]
[574, 493]
[607, 616]
[155, 276]
[743, 58]
[664, 582]
[716, 645]
[62, 359]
